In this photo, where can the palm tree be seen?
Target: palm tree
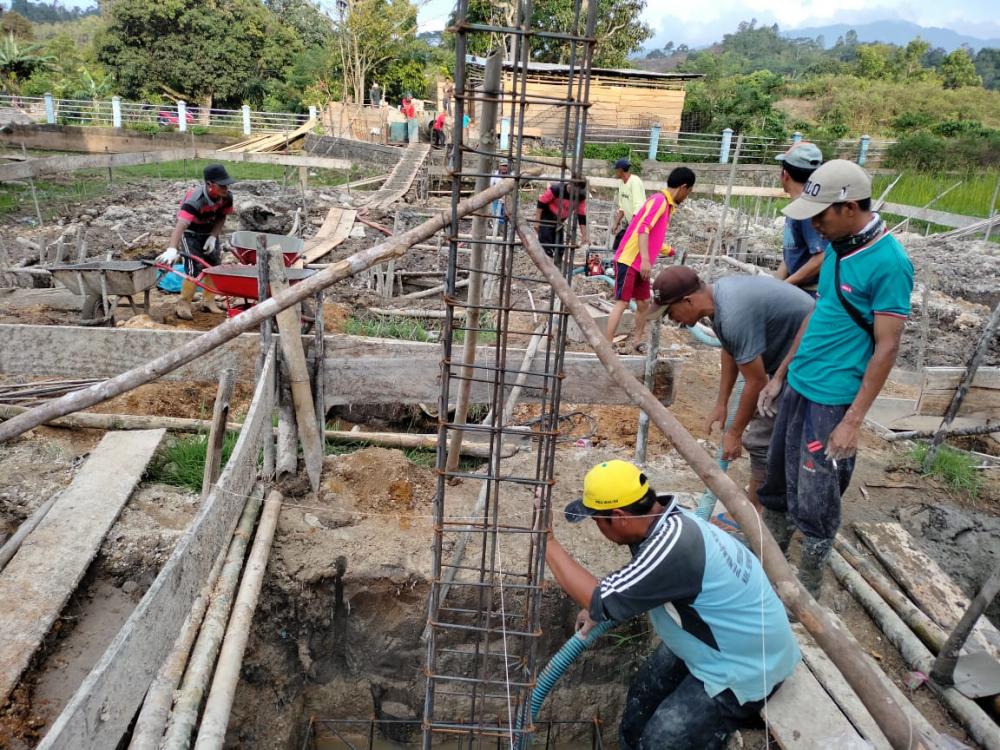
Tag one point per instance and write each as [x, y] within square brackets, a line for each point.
[17, 63]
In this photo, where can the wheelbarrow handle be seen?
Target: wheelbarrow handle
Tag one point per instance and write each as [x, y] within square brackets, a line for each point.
[196, 259]
[197, 281]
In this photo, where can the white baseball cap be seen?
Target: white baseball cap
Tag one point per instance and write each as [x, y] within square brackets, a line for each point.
[837, 181]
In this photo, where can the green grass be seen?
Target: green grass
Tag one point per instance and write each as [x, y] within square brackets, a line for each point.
[954, 467]
[971, 198]
[182, 463]
[385, 327]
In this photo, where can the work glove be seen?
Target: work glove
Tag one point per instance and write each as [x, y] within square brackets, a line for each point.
[169, 257]
[210, 244]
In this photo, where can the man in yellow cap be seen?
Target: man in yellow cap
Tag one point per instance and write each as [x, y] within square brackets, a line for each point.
[726, 643]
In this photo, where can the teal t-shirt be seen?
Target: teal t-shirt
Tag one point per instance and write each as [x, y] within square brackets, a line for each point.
[832, 357]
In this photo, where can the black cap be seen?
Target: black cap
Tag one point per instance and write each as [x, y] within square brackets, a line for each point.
[623, 164]
[217, 173]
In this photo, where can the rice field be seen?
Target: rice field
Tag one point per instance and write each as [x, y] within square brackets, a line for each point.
[971, 197]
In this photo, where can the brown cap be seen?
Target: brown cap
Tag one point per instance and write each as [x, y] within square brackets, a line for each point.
[673, 284]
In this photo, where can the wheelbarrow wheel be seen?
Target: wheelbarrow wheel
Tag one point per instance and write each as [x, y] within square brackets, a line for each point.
[92, 313]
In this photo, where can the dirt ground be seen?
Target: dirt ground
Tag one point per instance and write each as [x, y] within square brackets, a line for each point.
[337, 630]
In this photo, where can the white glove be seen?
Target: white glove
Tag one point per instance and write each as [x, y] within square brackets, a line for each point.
[210, 244]
[169, 257]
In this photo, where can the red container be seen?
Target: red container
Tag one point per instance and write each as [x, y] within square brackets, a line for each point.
[249, 256]
[241, 281]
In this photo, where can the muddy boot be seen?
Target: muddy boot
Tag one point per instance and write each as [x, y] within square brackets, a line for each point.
[780, 526]
[815, 553]
[208, 303]
[183, 308]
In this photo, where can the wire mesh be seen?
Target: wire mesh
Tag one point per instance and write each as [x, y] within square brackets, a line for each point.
[484, 610]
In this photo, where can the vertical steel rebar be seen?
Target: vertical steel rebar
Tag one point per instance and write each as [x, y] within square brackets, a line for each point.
[483, 626]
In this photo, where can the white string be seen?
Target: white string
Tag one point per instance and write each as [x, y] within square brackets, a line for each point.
[763, 643]
[503, 631]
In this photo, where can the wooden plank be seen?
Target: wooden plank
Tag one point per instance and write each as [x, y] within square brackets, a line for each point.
[358, 369]
[939, 387]
[102, 708]
[53, 559]
[287, 160]
[801, 716]
[948, 378]
[836, 686]
[336, 228]
[932, 215]
[924, 581]
[59, 164]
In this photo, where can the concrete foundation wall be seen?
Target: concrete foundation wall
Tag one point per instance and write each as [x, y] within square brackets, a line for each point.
[357, 151]
[103, 140]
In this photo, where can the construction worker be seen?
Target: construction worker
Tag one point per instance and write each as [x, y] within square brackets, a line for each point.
[200, 221]
[553, 210]
[726, 644]
[802, 246]
[631, 196]
[756, 319]
[839, 362]
[641, 245]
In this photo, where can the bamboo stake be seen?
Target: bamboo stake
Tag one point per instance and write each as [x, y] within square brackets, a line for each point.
[199, 669]
[217, 432]
[480, 225]
[294, 358]
[979, 725]
[13, 544]
[287, 462]
[160, 696]
[979, 429]
[212, 732]
[230, 329]
[717, 245]
[814, 618]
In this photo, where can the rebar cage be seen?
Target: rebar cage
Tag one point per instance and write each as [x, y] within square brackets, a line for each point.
[484, 610]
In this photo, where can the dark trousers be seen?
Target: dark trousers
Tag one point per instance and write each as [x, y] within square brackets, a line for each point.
[552, 241]
[801, 480]
[667, 708]
[194, 244]
[437, 137]
[619, 236]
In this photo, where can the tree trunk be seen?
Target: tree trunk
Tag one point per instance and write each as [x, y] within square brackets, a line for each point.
[205, 110]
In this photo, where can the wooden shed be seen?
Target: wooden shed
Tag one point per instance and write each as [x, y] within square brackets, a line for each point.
[619, 98]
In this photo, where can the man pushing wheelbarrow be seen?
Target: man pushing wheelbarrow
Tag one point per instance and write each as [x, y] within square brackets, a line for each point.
[200, 221]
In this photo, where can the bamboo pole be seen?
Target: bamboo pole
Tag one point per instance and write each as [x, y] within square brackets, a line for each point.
[287, 460]
[13, 544]
[86, 420]
[160, 696]
[199, 670]
[480, 226]
[943, 671]
[212, 731]
[217, 432]
[294, 357]
[979, 725]
[717, 245]
[391, 248]
[979, 429]
[813, 617]
[642, 432]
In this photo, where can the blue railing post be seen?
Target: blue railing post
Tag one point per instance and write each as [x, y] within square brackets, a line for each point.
[504, 133]
[182, 124]
[246, 119]
[863, 149]
[50, 109]
[654, 141]
[796, 137]
[727, 139]
[116, 111]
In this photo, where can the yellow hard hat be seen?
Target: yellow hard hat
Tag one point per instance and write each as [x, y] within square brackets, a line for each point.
[609, 485]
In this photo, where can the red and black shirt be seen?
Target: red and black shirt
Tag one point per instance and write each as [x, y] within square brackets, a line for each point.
[202, 212]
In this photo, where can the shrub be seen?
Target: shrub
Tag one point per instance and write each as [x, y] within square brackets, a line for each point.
[911, 121]
[952, 128]
[920, 150]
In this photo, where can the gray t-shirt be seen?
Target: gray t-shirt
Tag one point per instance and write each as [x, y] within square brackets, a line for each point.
[758, 316]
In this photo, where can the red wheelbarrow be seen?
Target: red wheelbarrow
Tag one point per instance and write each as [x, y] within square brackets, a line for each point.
[232, 280]
[244, 245]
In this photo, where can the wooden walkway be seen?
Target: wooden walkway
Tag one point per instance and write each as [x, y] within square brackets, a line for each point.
[47, 568]
[402, 176]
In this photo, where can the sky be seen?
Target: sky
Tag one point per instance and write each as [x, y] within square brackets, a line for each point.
[697, 24]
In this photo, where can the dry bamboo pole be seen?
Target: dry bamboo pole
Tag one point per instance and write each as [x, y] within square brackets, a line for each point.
[642, 431]
[217, 432]
[717, 245]
[212, 731]
[393, 247]
[415, 312]
[434, 290]
[318, 373]
[294, 357]
[12, 545]
[86, 420]
[979, 725]
[206, 648]
[963, 387]
[287, 460]
[814, 618]
[943, 671]
[923, 626]
[156, 706]
[980, 429]
[480, 227]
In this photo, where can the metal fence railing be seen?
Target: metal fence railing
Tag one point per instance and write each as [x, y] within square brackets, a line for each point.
[178, 116]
